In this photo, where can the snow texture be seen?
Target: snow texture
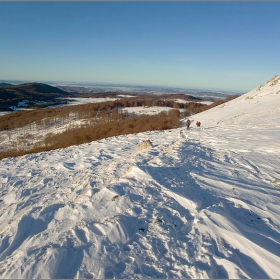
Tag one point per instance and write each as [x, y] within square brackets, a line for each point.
[198, 203]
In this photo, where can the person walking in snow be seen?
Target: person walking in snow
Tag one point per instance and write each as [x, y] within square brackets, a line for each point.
[188, 124]
[198, 123]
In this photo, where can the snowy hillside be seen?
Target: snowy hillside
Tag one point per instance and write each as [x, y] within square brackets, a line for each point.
[198, 203]
[250, 109]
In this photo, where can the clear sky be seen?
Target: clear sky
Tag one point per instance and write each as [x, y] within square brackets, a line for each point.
[213, 45]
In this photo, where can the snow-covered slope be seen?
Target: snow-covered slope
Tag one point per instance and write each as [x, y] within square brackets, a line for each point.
[198, 203]
[252, 108]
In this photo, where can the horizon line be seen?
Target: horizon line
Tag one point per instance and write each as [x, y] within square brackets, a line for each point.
[123, 84]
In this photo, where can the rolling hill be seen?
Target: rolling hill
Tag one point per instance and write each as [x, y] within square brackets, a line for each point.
[30, 92]
[5, 84]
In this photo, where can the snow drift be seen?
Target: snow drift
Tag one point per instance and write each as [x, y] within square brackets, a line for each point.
[197, 203]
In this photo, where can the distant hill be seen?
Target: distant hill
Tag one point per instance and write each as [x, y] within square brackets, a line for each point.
[11, 95]
[5, 84]
[75, 89]
[182, 96]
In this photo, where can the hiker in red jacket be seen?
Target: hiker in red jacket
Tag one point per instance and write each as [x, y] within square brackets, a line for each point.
[198, 123]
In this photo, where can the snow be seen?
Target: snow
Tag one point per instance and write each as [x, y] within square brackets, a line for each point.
[198, 203]
[79, 101]
[185, 101]
[153, 110]
[4, 113]
[124, 95]
[28, 136]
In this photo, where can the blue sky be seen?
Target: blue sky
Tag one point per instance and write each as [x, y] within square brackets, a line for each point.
[212, 45]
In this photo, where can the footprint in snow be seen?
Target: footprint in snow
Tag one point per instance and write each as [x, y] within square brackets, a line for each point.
[69, 165]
